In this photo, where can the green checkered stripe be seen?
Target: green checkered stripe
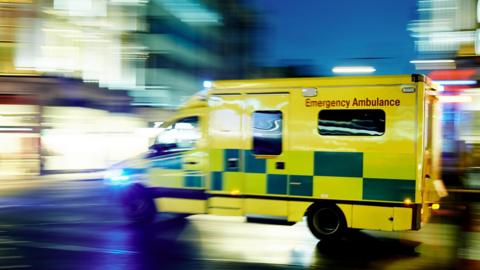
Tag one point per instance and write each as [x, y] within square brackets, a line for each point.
[299, 181]
[191, 179]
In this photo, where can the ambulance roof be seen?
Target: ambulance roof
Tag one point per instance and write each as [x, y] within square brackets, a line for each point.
[317, 82]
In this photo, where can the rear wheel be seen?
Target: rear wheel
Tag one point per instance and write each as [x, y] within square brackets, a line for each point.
[326, 222]
[138, 205]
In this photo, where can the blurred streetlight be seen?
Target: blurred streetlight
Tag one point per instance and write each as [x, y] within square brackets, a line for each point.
[456, 82]
[354, 69]
[433, 61]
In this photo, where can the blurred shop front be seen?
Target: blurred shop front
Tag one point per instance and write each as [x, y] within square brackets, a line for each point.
[84, 139]
[56, 125]
[469, 133]
[447, 39]
[19, 135]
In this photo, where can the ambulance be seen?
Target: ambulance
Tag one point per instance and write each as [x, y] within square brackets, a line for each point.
[345, 153]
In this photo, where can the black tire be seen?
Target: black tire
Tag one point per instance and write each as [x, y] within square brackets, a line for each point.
[326, 222]
[138, 205]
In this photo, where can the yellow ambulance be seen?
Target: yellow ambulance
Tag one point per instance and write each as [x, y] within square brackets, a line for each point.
[344, 152]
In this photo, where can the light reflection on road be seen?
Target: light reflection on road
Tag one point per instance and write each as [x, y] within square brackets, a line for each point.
[81, 229]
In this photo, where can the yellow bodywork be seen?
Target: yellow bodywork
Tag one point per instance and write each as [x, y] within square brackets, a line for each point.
[379, 182]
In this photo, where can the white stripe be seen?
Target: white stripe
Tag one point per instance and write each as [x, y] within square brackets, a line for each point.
[10, 257]
[78, 248]
[16, 129]
[12, 242]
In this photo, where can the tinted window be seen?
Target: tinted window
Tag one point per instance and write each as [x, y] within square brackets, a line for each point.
[351, 122]
[267, 132]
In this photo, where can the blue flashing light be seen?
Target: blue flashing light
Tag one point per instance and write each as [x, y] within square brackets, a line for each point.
[117, 178]
[207, 84]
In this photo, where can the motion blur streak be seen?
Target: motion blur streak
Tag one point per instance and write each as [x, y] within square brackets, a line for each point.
[353, 70]
[87, 84]
[455, 99]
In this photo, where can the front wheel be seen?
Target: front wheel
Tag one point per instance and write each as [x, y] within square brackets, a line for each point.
[326, 222]
[138, 205]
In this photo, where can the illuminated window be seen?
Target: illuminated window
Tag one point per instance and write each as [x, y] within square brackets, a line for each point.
[267, 132]
[351, 122]
[180, 135]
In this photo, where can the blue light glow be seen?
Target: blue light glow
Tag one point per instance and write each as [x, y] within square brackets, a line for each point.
[207, 84]
[117, 177]
[121, 178]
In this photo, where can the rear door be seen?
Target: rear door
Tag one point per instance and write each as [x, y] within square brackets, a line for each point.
[432, 150]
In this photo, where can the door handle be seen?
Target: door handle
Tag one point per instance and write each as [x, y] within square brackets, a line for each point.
[232, 163]
[280, 165]
[295, 183]
[190, 162]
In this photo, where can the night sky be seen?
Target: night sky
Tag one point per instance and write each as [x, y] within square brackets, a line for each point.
[327, 33]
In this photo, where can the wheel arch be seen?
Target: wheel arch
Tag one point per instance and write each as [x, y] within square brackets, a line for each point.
[326, 221]
[345, 209]
[138, 204]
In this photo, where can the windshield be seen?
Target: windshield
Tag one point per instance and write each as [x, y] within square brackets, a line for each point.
[180, 135]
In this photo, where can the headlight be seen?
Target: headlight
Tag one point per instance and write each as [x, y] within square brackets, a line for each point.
[117, 177]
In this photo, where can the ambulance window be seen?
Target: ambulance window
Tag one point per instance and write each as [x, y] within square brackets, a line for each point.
[180, 135]
[267, 132]
[351, 122]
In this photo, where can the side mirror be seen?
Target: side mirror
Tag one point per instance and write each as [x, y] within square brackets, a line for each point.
[153, 148]
[152, 151]
[159, 149]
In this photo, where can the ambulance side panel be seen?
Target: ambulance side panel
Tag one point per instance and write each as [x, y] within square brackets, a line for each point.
[374, 180]
[370, 171]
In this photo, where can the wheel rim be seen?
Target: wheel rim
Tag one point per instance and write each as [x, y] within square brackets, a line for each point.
[326, 221]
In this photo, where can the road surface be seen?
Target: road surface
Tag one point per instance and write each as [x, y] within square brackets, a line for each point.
[73, 225]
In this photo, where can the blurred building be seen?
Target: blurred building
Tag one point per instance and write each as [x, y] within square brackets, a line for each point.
[448, 45]
[445, 27]
[50, 124]
[159, 50]
[131, 63]
[191, 41]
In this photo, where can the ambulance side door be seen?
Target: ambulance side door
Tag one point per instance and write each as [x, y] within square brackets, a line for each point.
[265, 164]
[177, 166]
